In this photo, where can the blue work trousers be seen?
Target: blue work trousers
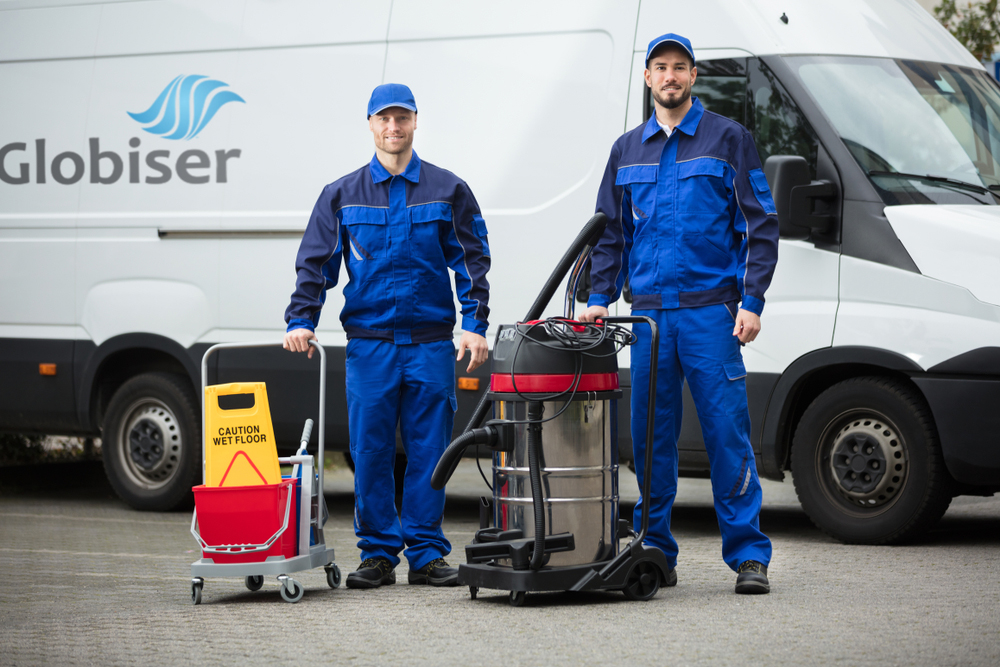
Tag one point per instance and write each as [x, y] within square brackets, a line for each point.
[412, 386]
[698, 344]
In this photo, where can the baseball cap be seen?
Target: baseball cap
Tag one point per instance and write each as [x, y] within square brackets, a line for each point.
[391, 95]
[682, 42]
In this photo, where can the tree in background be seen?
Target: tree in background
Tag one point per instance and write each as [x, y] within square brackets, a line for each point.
[977, 26]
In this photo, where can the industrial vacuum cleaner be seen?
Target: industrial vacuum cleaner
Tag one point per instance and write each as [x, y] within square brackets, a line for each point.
[553, 522]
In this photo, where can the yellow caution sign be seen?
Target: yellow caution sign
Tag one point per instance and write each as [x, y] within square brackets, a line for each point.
[239, 443]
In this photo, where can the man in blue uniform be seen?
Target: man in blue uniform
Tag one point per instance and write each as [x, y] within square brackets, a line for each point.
[693, 227]
[398, 224]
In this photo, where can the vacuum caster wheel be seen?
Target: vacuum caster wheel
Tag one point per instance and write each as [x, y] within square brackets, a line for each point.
[473, 591]
[333, 575]
[196, 586]
[291, 590]
[517, 598]
[643, 581]
[254, 582]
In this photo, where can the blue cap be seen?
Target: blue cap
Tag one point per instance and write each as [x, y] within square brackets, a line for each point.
[391, 95]
[682, 42]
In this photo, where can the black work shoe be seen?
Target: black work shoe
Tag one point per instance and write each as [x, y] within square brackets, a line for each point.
[435, 573]
[751, 578]
[372, 573]
[671, 579]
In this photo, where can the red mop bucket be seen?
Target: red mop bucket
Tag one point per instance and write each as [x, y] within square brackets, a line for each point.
[247, 524]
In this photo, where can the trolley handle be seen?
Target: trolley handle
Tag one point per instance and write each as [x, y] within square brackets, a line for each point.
[306, 433]
[322, 395]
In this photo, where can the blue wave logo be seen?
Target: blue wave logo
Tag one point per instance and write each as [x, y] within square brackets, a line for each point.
[185, 106]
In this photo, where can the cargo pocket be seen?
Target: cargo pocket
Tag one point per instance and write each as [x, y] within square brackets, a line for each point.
[762, 192]
[736, 391]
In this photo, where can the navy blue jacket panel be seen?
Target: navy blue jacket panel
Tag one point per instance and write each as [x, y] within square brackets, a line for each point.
[692, 222]
[397, 237]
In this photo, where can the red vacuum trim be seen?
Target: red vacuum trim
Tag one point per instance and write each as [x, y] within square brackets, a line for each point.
[550, 384]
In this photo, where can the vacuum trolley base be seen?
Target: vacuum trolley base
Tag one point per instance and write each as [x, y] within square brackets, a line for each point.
[637, 571]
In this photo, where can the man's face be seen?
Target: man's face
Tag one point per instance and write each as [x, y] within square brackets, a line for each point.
[393, 129]
[670, 77]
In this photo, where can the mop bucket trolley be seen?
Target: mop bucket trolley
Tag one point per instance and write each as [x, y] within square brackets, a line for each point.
[265, 529]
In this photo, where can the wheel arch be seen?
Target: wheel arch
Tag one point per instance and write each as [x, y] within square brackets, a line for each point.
[123, 357]
[805, 379]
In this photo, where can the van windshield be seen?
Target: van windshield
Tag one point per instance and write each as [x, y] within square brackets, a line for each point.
[924, 133]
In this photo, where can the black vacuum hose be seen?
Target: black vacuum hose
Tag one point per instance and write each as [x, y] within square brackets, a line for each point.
[588, 236]
[446, 465]
[535, 474]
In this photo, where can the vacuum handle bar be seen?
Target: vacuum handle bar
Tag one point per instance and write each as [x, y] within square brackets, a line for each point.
[650, 413]
[588, 236]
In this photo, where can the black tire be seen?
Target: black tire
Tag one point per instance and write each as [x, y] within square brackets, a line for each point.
[867, 465]
[643, 581]
[333, 576]
[151, 441]
[254, 582]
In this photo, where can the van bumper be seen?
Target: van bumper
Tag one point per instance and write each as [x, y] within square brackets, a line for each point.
[967, 414]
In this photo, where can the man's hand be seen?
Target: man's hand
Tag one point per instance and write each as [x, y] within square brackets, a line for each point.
[297, 340]
[593, 314]
[747, 326]
[478, 349]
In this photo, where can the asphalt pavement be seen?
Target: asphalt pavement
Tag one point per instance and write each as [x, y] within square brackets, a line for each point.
[90, 581]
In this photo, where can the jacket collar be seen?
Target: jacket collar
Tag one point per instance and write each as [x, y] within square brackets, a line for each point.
[411, 173]
[688, 126]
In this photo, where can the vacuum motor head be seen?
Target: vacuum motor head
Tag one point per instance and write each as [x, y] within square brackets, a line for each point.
[531, 352]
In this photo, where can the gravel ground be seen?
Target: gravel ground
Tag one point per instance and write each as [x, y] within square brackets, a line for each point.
[90, 581]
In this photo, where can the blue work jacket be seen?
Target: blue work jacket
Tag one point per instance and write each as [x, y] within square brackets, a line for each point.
[692, 222]
[397, 236]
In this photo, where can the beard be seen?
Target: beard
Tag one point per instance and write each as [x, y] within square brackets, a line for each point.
[674, 102]
[394, 149]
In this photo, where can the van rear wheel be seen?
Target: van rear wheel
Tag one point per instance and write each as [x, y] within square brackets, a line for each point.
[867, 465]
[150, 441]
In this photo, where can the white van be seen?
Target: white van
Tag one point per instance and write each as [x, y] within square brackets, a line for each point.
[158, 162]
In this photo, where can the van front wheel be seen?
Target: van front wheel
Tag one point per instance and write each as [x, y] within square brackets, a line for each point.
[867, 465]
[150, 441]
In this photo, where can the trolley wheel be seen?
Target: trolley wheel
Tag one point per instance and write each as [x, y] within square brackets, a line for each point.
[517, 598]
[643, 581]
[292, 591]
[254, 582]
[196, 591]
[473, 591]
[333, 575]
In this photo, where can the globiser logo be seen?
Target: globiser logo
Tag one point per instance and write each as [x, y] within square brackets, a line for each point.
[185, 106]
[181, 111]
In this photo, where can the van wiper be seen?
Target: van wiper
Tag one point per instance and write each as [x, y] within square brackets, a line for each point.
[937, 179]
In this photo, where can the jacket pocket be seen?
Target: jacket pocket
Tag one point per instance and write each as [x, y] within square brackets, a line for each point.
[701, 185]
[640, 179]
[367, 233]
[428, 223]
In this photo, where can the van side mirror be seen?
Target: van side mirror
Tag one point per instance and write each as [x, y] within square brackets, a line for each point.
[793, 192]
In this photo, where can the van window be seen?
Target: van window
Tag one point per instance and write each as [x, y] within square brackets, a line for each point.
[924, 133]
[721, 86]
[777, 124]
